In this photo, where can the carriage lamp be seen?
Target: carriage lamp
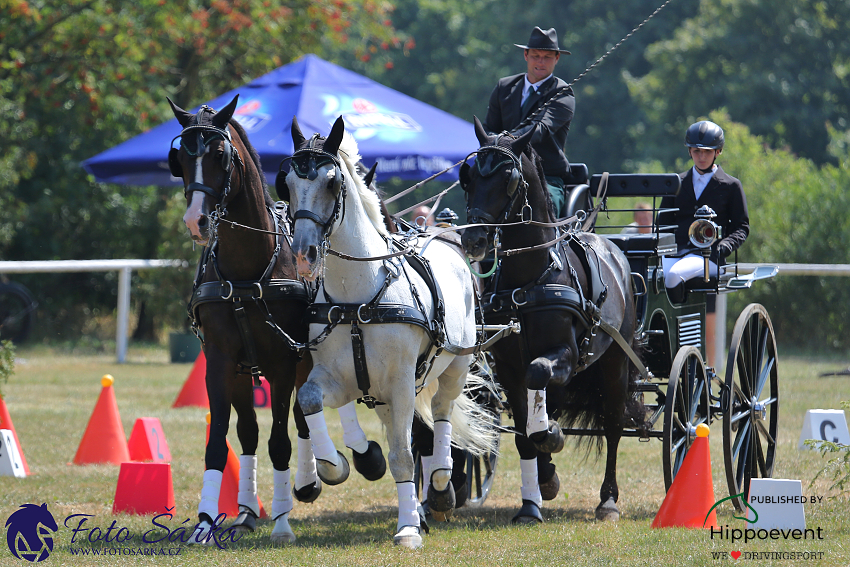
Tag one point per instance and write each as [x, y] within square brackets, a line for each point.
[703, 233]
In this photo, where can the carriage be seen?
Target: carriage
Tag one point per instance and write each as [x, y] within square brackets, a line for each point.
[679, 390]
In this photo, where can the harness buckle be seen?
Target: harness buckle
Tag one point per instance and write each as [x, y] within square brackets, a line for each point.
[330, 312]
[514, 299]
[229, 293]
[359, 316]
[259, 289]
[522, 211]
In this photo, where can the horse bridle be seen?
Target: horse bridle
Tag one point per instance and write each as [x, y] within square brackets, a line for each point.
[229, 158]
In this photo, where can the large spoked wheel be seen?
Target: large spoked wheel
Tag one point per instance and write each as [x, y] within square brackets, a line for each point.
[481, 471]
[17, 312]
[686, 406]
[750, 403]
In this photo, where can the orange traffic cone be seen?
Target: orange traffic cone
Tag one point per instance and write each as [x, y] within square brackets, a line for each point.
[144, 488]
[104, 440]
[6, 423]
[194, 392]
[228, 497]
[691, 496]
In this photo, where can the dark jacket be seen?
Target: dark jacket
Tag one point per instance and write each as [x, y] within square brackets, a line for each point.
[725, 195]
[553, 124]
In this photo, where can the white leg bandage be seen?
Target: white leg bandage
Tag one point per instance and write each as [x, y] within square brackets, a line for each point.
[407, 514]
[530, 487]
[442, 446]
[248, 484]
[306, 473]
[352, 434]
[538, 419]
[210, 492]
[282, 501]
[323, 447]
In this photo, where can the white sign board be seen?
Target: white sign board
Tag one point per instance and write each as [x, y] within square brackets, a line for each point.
[778, 502]
[10, 458]
[824, 425]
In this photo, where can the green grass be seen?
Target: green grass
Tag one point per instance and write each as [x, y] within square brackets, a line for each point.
[51, 397]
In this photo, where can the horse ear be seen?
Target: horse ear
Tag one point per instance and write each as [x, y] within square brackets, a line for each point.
[480, 133]
[371, 175]
[335, 137]
[298, 139]
[223, 116]
[518, 146]
[182, 116]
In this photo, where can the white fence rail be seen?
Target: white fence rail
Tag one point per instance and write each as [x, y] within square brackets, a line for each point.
[784, 270]
[124, 269]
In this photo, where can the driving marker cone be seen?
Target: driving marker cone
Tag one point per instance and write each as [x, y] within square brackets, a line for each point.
[6, 423]
[104, 440]
[691, 496]
[194, 391]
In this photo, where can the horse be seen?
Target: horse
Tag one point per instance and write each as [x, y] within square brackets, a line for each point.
[563, 286]
[411, 320]
[249, 305]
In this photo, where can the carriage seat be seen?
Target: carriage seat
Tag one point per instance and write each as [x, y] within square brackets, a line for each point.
[578, 175]
[653, 244]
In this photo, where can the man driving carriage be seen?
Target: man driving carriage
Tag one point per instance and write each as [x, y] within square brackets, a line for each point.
[704, 184]
[517, 97]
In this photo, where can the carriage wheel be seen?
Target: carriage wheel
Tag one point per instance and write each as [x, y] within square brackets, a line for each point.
[480, 472]
[686, 406]
[750, 403]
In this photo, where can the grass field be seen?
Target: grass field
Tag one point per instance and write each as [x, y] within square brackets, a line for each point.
[51, 396]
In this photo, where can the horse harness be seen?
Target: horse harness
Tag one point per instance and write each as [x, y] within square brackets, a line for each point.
[239, 292]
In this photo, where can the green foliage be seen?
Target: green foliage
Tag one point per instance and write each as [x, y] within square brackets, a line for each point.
[838, 467]
[7, 362]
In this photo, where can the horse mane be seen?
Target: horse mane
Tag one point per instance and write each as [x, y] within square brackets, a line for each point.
[255, 157]
[537, 163]
[371, 202]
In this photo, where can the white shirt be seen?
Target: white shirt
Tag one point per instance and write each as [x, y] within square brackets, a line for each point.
[701, 180]
[526, 90]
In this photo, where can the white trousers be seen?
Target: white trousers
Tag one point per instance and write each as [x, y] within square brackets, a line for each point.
[678, 270]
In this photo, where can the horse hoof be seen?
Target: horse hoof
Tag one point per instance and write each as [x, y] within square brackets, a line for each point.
[441, 503]
[371, 464]
[607, 511]
[245, 522]
[408, 537]
[549, 489]
[424, 514]
[308, 493]
[528, 514]
[333, 475]
[202, 535]
[282, 533]
[551, 441]
[461, 490]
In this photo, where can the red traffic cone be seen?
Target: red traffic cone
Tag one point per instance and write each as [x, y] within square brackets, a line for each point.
[6, 423]
[228, 496]
[144, 488]
[147, 441]
[691, 495]
[104, 440]
[194, 392]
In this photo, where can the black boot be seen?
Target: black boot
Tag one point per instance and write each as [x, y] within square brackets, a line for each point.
[677, 293]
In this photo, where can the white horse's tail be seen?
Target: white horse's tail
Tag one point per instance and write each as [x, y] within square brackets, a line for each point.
[473, 426]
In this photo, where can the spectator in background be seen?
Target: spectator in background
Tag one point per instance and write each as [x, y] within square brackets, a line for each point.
[422, 216]
[643, 220]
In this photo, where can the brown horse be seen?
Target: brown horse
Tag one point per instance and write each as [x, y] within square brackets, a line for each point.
[571, 294]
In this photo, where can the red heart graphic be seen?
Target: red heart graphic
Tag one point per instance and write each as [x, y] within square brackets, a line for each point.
[735, 554]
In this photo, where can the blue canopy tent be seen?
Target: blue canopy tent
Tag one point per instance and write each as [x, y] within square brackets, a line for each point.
[408, 138]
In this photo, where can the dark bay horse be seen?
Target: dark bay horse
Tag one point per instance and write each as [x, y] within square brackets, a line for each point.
[245, 279]
[570, 295]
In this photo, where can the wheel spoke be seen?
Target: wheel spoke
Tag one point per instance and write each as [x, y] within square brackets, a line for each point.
[743, 372]
[740, 439]
[678, 444]
[763, 432]
[695, 399]
[743, 443]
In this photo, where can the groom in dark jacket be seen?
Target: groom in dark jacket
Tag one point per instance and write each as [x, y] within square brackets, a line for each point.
[518, 97]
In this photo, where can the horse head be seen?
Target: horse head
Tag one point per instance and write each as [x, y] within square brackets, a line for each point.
[495, 186]
[205, 161]
[314, 186]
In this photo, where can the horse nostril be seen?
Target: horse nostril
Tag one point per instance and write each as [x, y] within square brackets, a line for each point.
[202, 222]
[312, 254]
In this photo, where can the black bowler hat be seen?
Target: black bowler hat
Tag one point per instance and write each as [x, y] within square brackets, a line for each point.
[547, 40]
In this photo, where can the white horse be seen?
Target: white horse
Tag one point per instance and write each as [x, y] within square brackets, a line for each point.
[337, 218]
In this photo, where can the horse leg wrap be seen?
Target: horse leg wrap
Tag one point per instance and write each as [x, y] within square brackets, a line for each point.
[538, 419]
[247, 496]
[442, 458]
[308, 487]
[352, 434]
[323, 447]
[282, 501]
[407, 514]
[530, 489]
[209, 493]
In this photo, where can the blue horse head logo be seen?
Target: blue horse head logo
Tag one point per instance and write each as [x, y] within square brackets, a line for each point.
[30, 532]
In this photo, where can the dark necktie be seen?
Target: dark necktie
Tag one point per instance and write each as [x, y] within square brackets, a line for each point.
[530, 100]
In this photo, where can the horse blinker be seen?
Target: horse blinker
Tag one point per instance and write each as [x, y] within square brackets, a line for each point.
[174, 163]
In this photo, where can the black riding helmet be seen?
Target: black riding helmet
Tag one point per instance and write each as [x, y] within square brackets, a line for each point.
[704, 134]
